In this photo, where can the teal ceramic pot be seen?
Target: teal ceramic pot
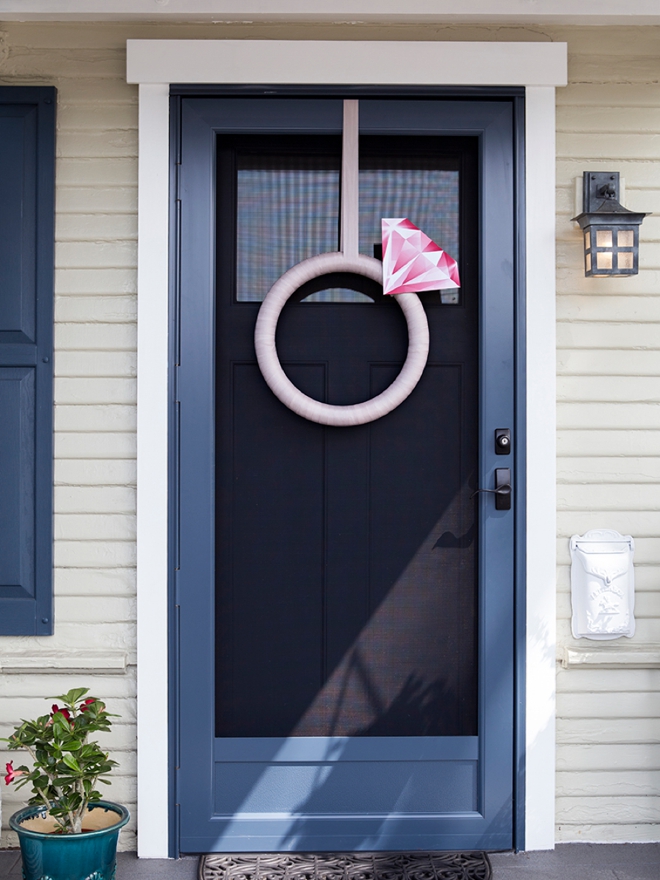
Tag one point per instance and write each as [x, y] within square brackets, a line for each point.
[88, 856]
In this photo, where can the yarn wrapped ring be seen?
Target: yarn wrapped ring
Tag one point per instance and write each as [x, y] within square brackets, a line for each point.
[286, 391]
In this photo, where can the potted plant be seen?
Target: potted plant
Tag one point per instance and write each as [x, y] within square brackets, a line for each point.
[67, 832]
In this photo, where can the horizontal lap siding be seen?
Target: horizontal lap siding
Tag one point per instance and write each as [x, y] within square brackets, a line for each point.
[608, 389]
[608, 777]
[95, 375]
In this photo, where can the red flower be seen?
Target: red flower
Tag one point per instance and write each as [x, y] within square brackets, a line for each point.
[65, 712]
[87, 703]
[11, 773]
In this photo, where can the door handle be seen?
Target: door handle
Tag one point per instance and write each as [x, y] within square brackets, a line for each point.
[502, 490]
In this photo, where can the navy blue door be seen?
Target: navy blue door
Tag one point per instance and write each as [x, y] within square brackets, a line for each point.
[345, 603]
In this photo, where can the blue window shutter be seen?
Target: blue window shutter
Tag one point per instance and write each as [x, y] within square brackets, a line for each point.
[27, 209]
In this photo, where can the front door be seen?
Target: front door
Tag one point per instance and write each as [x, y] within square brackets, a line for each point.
[344, 599]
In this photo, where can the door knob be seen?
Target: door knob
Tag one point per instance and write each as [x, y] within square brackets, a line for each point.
[502, 490]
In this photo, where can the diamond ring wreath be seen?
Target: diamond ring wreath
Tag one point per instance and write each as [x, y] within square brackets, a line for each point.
[412, 263]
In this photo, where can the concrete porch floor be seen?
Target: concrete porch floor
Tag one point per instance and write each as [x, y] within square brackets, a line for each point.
[569, 861]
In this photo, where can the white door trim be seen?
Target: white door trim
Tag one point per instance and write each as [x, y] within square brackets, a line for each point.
[152, 470]
[154, 64]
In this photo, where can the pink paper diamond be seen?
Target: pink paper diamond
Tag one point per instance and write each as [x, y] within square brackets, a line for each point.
[412, 262]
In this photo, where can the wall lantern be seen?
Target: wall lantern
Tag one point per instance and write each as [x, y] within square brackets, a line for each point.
[611, 232]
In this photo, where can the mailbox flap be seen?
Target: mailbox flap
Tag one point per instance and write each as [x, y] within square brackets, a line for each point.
[607, 566]
[604, 553]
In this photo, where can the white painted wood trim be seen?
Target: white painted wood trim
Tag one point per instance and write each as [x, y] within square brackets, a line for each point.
[339, 62]
[43, 663]
[541, 467]
[152, 471]
[614, 657]
[593, 12]
[152, 410]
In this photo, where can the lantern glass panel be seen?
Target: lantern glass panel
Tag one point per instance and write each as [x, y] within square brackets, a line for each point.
[604, 238]
[588, 262]
[625, 238]
[625, 259]
[587, 241]
[604, 260]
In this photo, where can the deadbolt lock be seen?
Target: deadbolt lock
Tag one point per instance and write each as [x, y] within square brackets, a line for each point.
[502, 441]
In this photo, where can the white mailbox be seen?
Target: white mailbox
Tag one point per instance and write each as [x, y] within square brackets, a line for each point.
[602, 585]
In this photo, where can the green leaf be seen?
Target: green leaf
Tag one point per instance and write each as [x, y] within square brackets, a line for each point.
[71, 762]
[73, 696]
[60, 724]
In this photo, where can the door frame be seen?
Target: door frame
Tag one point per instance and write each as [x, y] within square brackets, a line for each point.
[536, 67]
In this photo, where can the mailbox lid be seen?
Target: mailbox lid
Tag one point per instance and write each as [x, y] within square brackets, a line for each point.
[603, 541]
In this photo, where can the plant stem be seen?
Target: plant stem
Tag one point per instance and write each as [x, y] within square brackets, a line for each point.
[42, 794]
[58, 792]
[83, 803]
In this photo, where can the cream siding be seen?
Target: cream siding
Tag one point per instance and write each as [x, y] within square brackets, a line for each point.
[608, 388]
[608, 757]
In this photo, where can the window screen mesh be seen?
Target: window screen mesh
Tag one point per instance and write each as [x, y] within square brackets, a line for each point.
[287, 210]
[413, 188]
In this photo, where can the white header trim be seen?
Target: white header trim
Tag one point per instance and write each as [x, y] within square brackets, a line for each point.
[598, 12]
[153, 247]
[343, 63]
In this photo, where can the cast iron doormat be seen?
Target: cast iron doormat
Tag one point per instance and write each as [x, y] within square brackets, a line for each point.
[346, 866]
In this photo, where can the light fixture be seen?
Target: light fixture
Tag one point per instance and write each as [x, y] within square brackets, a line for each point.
[611, 232]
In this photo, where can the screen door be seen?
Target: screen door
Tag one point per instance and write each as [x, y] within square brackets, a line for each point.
[345, 597]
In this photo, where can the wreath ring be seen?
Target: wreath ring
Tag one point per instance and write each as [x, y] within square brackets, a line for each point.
[286, 391]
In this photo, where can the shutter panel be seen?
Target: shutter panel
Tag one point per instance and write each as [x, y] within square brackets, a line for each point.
[27, 197]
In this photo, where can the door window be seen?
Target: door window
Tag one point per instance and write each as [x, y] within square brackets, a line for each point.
[286, 195]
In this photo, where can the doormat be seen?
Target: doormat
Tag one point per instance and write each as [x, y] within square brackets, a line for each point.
[346, 866]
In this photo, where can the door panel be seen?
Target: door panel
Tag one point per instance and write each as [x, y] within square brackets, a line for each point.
[346, 605]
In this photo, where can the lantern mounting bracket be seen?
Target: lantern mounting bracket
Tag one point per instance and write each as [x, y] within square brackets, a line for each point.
[608, 191]
[599, 187]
